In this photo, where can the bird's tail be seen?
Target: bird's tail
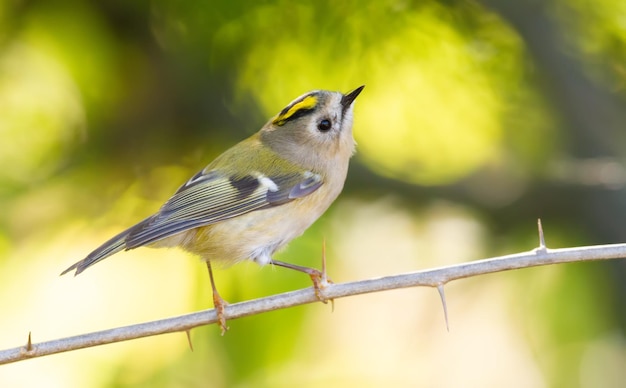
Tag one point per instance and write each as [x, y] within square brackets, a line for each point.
[111, 247]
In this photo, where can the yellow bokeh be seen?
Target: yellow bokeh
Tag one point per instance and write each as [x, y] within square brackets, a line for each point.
[41, 113]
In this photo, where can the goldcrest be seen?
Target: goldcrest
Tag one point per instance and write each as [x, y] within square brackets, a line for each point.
[258, 195]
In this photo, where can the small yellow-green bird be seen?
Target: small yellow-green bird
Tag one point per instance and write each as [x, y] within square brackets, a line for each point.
[258, 195]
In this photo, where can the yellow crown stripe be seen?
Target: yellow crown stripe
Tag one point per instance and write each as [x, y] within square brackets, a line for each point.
[307, 103]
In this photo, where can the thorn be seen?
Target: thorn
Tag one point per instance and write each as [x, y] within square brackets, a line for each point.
[188, 332]
[443, 302]
[324, 279]
[542, 239]
[29, 343]
[28, 350]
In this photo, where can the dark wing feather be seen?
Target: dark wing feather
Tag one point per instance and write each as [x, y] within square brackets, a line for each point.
[212, 197]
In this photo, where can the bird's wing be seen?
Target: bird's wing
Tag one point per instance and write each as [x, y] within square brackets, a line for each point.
[212, 196]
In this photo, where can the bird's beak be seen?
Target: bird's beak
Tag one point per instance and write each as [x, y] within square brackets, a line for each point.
[349, 98]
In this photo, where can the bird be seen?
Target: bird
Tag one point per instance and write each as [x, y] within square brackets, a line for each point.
[256, 196]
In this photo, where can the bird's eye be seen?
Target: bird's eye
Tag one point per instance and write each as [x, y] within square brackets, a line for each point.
[324, 125]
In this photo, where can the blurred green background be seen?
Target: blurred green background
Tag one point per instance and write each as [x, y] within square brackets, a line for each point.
[477, 119]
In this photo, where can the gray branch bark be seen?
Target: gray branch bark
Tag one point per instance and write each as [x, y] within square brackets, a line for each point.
[432, 278]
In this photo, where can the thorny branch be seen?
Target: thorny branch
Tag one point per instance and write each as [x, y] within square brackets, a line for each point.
[437, 277]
